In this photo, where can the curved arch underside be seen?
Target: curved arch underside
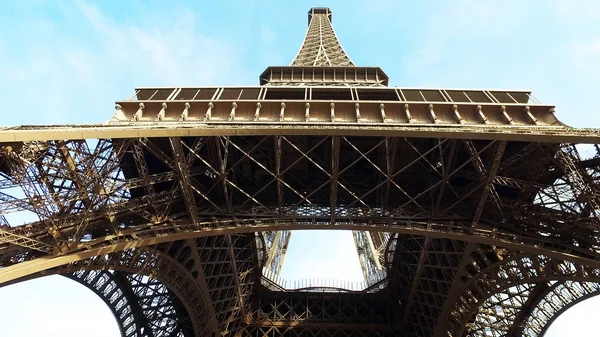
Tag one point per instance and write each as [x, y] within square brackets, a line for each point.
[525, 301]
[180, 288]
[560, 297]
[528, 309]
[478, 225]
[521, 295]
[143, 307]
[489, 222]
[151, 199]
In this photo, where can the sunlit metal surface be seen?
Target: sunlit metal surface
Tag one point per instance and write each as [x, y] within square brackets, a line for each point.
[475, 212]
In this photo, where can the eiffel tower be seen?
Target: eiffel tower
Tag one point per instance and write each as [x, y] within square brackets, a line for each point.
[474, 212]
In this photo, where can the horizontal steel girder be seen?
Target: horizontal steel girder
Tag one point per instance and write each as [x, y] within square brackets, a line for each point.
[151, 130]
[185, 232]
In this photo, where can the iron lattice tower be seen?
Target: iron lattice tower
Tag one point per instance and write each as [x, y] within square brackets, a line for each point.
[476, 212]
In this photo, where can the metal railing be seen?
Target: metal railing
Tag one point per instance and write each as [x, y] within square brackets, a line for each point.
[275, 282]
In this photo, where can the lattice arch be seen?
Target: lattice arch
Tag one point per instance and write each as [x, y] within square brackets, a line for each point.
[142, 306]
[505, 313]
[494, 302]
[559, 298]
[149, 292]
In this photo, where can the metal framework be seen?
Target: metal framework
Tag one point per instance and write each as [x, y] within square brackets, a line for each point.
[474, 212]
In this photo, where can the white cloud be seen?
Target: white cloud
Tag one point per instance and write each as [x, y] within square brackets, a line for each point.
[170, 51]
[73, 69]
[69, 66]
[62, 75]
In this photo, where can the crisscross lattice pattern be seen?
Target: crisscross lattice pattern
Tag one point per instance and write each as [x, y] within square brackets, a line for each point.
[321, 46]
[475, 206]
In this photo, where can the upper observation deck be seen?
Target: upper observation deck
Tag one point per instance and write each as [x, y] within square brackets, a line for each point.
[314, 105]
[322, 110]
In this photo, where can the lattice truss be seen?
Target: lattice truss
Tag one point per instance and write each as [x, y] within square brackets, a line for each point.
[149, 292]
[92, 196]
[523, 298]
[321, 314]
[276, 243]
[321, 46]
[478, 230]
[180, 288]
[142, 306]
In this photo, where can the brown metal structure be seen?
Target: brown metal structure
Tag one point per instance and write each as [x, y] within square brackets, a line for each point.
[475, 212]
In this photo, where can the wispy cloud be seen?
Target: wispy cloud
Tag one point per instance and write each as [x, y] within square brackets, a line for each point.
[75, 76]
[172, 51]
[460, 39]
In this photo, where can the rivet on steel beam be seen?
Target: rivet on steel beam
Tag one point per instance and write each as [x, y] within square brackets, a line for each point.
[458, 116]
[161, 113]
[408, 116]
[332, 114]
[209, 111]
[382, 110]
[307, 112]
[528, 111]
[54, 231]
[282, 111]
[185, 113]
[257, 112]
[435, 119]
[232, 113]
[357, 109]
[505, 113]
[139, 114]
[483, 117]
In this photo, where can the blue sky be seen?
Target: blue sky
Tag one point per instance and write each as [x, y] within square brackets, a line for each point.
[68, 61]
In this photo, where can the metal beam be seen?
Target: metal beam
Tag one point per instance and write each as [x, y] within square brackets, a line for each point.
[416, 279]
[25, 241]
[488, 187]
[456, 288]
[184, 230]
[192, 129]
[535, 296]
[238, 288]
[335, 170]
[140, 319]
[223, 156]
[201, 279]
[278, 157]
[182, 169]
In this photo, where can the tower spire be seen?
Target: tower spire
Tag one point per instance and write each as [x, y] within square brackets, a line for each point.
[321, 46]
[322, 61]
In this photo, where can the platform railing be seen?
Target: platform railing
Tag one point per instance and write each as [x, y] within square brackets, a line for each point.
[277, 283]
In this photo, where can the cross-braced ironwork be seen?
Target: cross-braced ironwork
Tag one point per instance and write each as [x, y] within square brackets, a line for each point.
[321, 46]
[474, 212]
